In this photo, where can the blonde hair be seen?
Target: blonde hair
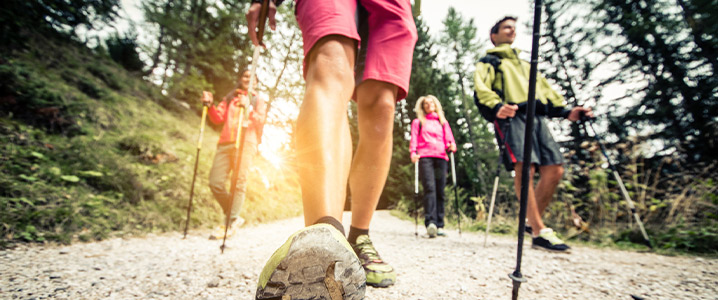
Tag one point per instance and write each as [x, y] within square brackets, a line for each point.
[421, 114]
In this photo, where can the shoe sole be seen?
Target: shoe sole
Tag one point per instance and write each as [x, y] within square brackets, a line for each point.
[567, 251]
[431, 231]
[317, 266]
[383, 284]
[229, 235]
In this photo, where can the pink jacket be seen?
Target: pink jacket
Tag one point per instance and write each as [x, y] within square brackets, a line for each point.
[431, 139]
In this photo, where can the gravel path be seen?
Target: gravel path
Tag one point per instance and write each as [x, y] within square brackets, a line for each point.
[167, 267]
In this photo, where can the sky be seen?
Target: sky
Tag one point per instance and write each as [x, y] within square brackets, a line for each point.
[485, 14]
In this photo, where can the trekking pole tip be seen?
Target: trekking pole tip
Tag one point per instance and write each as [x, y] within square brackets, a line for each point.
[517, 279]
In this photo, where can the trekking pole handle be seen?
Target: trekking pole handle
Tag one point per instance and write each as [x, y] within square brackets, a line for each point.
[416, 177]
[453, 168]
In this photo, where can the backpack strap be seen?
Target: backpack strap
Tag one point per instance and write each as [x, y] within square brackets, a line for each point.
[495, 62]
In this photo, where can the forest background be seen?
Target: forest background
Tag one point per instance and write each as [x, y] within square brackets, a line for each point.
[99, 131]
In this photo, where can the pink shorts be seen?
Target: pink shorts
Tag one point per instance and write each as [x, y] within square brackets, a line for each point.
[389, 46]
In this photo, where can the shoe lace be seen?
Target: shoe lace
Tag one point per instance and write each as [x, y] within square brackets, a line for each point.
[366, 248]
[552, 238]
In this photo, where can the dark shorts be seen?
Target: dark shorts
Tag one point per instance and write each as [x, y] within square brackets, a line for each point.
[545, 150]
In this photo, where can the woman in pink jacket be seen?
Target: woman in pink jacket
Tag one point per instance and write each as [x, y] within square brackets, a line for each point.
[430, 138]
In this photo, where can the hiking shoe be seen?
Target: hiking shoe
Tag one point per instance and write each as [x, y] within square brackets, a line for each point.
[218, 232]
[440, 232]
[431, 230]
[547, 240]
[528, 229]
[378, 273]
[316, 262]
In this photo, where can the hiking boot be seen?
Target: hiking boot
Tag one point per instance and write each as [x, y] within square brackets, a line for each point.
[547, 240]
[431, 230]
[378, 273]
[316, 262]
[440, 232]
[218, 232]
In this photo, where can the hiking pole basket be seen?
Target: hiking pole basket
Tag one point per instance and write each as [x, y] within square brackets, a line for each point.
[587, 123]
[516, 276]
[196, 164]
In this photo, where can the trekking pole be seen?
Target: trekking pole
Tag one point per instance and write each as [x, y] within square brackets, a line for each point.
[416, 199]
[238, 145]
[516, 276]
[242, 111]
[502, 148]
[624, 192]
[456, 194]
[196, 163]
[493, 198]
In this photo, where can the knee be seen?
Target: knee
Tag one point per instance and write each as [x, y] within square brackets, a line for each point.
[381, 105]
[330, 62]
[216, 186]
[555, 175]
[429, 189]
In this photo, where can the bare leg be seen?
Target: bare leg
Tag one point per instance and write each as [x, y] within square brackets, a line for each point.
[532, 212]
[549, 178]
[323, 138]
[376, 101]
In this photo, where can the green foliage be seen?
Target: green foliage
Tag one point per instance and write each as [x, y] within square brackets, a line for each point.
[46, 16]
[198, 42]
[126, 169]
[123, 50]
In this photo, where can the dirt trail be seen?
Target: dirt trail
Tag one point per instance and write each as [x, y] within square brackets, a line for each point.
[167, 267]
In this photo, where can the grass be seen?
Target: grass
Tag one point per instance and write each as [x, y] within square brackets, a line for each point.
[91, 151]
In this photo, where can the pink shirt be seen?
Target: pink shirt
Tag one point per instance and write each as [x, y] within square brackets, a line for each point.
[432, 139]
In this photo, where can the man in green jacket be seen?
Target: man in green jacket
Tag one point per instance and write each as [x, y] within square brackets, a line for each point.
[501, 83]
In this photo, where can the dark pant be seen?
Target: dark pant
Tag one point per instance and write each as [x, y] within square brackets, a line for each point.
[432, 171]
[221, 169]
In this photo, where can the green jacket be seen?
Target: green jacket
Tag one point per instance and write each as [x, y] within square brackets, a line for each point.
[513, 80]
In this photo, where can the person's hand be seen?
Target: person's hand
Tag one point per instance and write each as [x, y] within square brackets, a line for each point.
[415, 157]
[207, 98]
[507, 111]
[253, 19]
[578, 112]
[452, 147]
[243, 101]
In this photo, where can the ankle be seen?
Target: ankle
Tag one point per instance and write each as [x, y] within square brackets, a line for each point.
[537, 231]
[331, 221]
[354, 233]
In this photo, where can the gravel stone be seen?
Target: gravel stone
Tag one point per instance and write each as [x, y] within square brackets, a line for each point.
[165, 266]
